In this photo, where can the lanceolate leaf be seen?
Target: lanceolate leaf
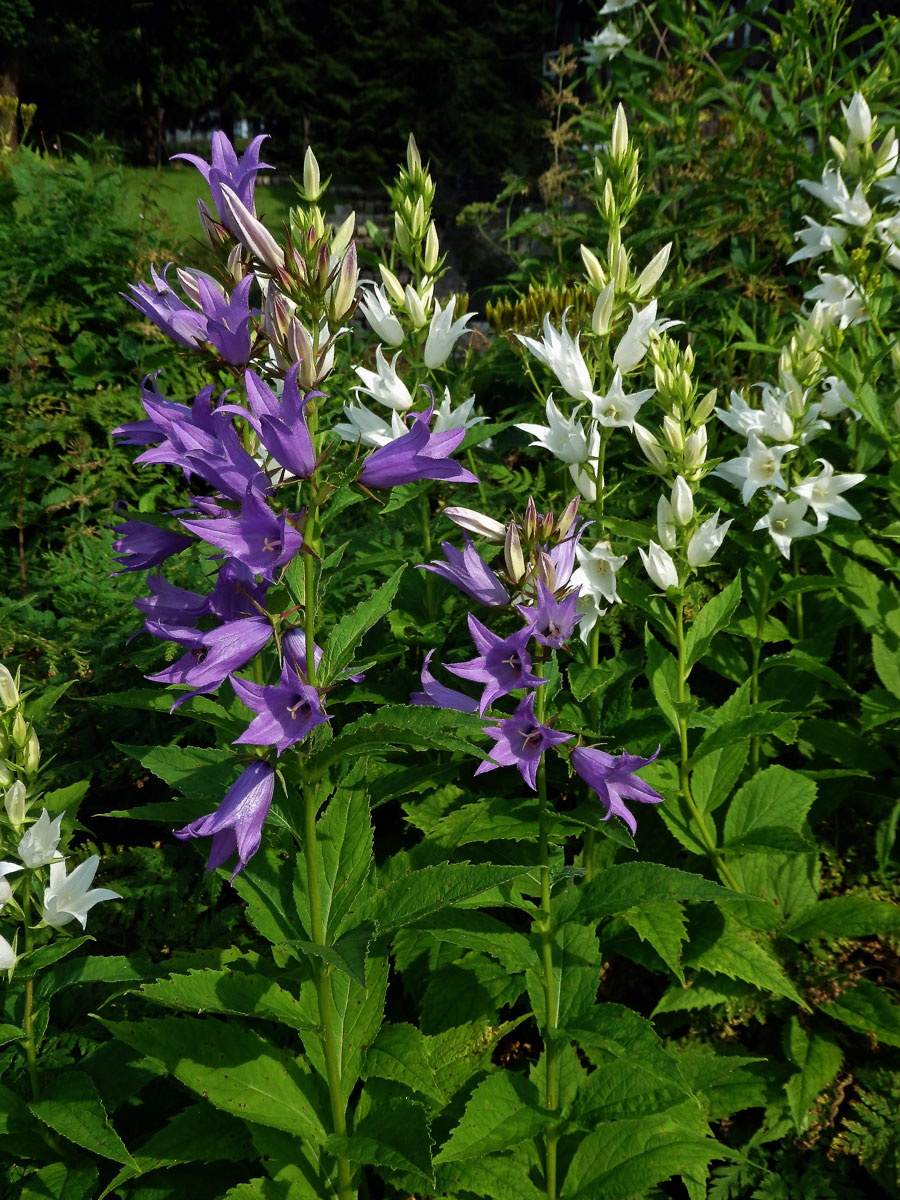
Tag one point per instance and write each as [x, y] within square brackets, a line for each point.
[229, 991]
[71, 1106]
[626, 1035]
[712, 618]
[234, 1068]
[628, 885]
[661, 923]
[401, 1052]
[844, 916]
[200, 772]
[61, 1181]
[499, 1177]
[503, 1111]
[867, 1009]
[346, 636]
[819, 1059]
[721, 946]
[433, 889]
[776, 796]
[395, 1135]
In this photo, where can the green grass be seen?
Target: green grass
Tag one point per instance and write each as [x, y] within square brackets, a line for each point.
[170, 194]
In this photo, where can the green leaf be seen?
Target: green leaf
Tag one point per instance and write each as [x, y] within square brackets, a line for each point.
[400, 1052]
[479, 931]
[661, 923]
[503, 1111]
[662, 675]
[71, 1106]
[39, 707]
[343, 641]
[499, 1177]
[198, 771]
[619, 1087]
[867, 1009]
[577, 971]
[457, 1054]
[774, 797]
[267, 892]
[703, 991]
[585, 680]
[819, 1059]
[712, 619]
[348, 954]
[721, 946]
[234, 1068]
[770, 839]
[624, 1034]
[761, 720]
[886, 662]
[344, 835]
[633, 884]
[61, 1181]
[844, 916]
[433, 889]
[395, 1135]
[626, 1158]
[232, 991]
[65, 799]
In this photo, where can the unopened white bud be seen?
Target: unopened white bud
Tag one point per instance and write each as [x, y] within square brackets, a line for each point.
[682, 501]
[695, 448]
[341, 239]
[14, 803]
[608, 203]
[476, 522]
[603, 310]
[659, 566]
[312, 182]
[401, 234]
[432, 249]
[858, 118]
[546, 570]
[704, 409]
[665, 524]
[595, 272]
[31, 754]
[650, 275]
[838, 148]
[392, 284]
[618, 146]
[413, 158]
[672, 430]
[650, 447]
[415, 307]
[620, 269]
[19, 731]
[6, 774]
[9, 693]
[512, 553]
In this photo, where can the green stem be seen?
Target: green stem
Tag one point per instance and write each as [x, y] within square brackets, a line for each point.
[798, 598]
[550, 999]
[323, 988]
[28, 1023]
[425, 517]
[756, 653]
[684, 772]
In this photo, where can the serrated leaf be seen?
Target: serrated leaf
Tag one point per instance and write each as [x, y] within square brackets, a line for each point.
[61, 1181]
[761, 720]
[721, 946]
[394, 1135]
[867, 1009]
[457, 1054]
[474, 930]
[400, 1052]
[503, 1111]
[625, 1034]
[234, 992]
[775, 796]
[344, 639]
[577, 970]
[433, 889]
[703, 991]
[712, 619]
[71, 1106]
[844, 916]
[348, 954]
[201, 772]
[819, 1058]
[661, 923]
[268, 895]
[775, 839]
[632, 884]
[499, 1177]
[65, 799]
[232, 1067]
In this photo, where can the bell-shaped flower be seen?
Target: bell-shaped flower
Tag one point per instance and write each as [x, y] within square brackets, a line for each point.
[281, 424]
[286, 712]
[841, 301]
[236, 825]
[171, 605]
[520, 741]
[562, 355]
[166, 310]
[616, 409]
[823, 493]
[633, 345]
[858, 118]
[837, 398]
[478, 523]
[443, 333]
[436, 695]
[256, 537]
[228, 320]
[759, 467]
[384, 384]
[215, 655]
[563, 436]
[604, 45]
[784, 521]
[367, 428]
[817, 239]
[595, 574]
[141, 546]
[417, 455]
[831, 189]
[7, 868]
[706, 540]
[447, 417]
[68, 898]
[659, 566]
[225, 167]
[503, 664]
[468, 571]
[614, 781]
[7, 955]
[551, 622]
[376, 308]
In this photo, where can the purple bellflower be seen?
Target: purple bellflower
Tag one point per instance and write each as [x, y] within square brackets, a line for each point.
[281, 424]
[503, 663]
[416, 455]
[215, 655]
[614, 781]
[436, 695]
[551, 621]
[520, 742]
[168, 311]
[468, 571]
[236, 825]
[255, 537]
[286, 712]
[238, 174]
[293, 646]
[141, 546]
[171, 605]
[228, 320]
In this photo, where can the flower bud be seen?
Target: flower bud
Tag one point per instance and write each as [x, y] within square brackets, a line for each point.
[704, 409]
[6, 774]
[650, 447]
[608, 202]
[695, 448]
[595, 273]
[418, 218]
[672, 430]
[413, 158]
[530, 521]
[512, 553]
[431, 252]
[14, 803]
[476, 522]
[548, 524]
[344, 293]
[312, 183]
[546, 570]
[682, 501]
[650, 275]
[9, 693]
[620, 269]
[216, 234]
[234, 264]
[31, 754]
[603, 310]
[858, 118]
[299, 342]
[341, 240]
[665, 524]
[19, 731]
[659, 566]
[887, 152]
[838, 148]
[566, 518]
[392, 284]
[414, 307]
[401, 235]
[251, 232]
[277, 314]
[618, 146]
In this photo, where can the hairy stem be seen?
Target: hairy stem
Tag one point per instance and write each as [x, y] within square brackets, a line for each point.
[712, 849]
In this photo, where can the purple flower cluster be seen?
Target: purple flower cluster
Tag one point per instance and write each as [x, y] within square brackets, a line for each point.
[504, 664]
[239, 454]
